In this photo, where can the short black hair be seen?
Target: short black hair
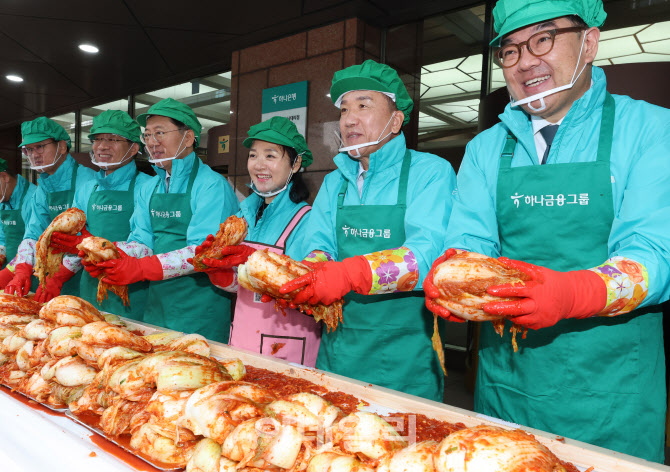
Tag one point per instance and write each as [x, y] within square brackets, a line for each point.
[299, 192]
[577, 21]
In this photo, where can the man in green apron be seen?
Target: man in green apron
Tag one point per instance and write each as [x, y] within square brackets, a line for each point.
[382, 215]
[187, 203]
[16, 193]
[586, 206]
[46, 145]
[109, 202]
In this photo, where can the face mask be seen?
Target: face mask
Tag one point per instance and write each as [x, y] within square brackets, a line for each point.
[158, 161]
[107, 165]
[353, 150]
[42, 169]
[540, 96]
[272, 193]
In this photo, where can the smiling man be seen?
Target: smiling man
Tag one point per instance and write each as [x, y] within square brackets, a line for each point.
[186, 202]
[109, 201]
[382, 215]
[575, 183]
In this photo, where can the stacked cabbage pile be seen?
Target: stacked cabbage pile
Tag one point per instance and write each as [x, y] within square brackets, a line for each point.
[183, 408]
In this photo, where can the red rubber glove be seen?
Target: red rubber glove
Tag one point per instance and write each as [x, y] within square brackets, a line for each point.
[432, 292]
[3, 259]
[127, 270]
[549, 296]
[90, 267]
[221, 277]
[63, 242]
[331, 281]
[53, 285]
[6, 276]
[20, 283]
[232, 257]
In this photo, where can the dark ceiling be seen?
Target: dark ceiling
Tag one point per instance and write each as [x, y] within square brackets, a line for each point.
[145, 45]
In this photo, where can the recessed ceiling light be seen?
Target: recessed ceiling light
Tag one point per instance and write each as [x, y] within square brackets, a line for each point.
[14, 78]
[88, 48]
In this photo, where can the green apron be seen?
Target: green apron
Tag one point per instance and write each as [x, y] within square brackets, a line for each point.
[108, 216]
[59, 202]
[13, 226]
[598, 380]
[384, 339]
[189, 303]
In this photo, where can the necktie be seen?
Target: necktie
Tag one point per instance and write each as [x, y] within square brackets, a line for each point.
[359, 182]
[167, 184]
[548, 133]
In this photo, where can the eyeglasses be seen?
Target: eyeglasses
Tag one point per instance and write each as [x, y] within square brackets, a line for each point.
[109, 141]
[157, 136]
[36, 149]
[538, 45]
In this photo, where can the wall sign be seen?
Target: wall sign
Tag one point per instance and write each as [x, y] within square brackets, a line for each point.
[289, 101]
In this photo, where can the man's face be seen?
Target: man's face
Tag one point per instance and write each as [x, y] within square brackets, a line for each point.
[532, 75]
[166, 140]
[45, 153]
[366, 116]
[112, 149]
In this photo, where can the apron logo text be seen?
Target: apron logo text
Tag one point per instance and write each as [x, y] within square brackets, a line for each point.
[366, 233]
[107, 207]
[166, 214]
[549, 200]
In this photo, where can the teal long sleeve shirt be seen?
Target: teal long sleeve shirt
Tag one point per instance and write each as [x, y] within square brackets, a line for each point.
[15, 201]
[212, 201]
[429, 199]
[276, 217]
[60, 181]
[640, 178]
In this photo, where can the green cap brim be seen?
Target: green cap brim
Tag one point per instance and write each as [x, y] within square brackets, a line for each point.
[36, 138]
[530, 16]
[111, 130]
[350, 84]
[269, 136]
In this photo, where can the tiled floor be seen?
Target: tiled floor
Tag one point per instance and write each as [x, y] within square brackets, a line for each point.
[455, 393]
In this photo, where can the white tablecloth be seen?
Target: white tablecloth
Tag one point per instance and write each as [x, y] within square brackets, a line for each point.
[31, 440]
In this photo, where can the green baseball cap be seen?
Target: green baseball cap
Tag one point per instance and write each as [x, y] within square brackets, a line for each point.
[173, 109]
[510, 15]
[373, 76]
[280, 130]
[43, 128]
[116, 122]
[3, 165]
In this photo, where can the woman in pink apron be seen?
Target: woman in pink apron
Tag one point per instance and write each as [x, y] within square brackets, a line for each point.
[276, 215]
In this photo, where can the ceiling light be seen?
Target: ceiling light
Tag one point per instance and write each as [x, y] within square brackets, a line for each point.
[88, 48]
[14, 78]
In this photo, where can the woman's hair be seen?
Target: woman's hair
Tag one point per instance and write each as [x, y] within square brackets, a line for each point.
[299, 192]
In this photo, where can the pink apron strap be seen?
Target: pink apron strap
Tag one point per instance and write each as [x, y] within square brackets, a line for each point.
[281, 242]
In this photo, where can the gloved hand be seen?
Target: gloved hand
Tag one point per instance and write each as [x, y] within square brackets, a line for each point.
[5, 276]
[127, 270]
[90, 267]
[221, 277]
[331, 281]
[432, 292]
[63, 242]
[289, 303]
[233, 255]
[53, 285]
[20, 283]
[549, 296]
